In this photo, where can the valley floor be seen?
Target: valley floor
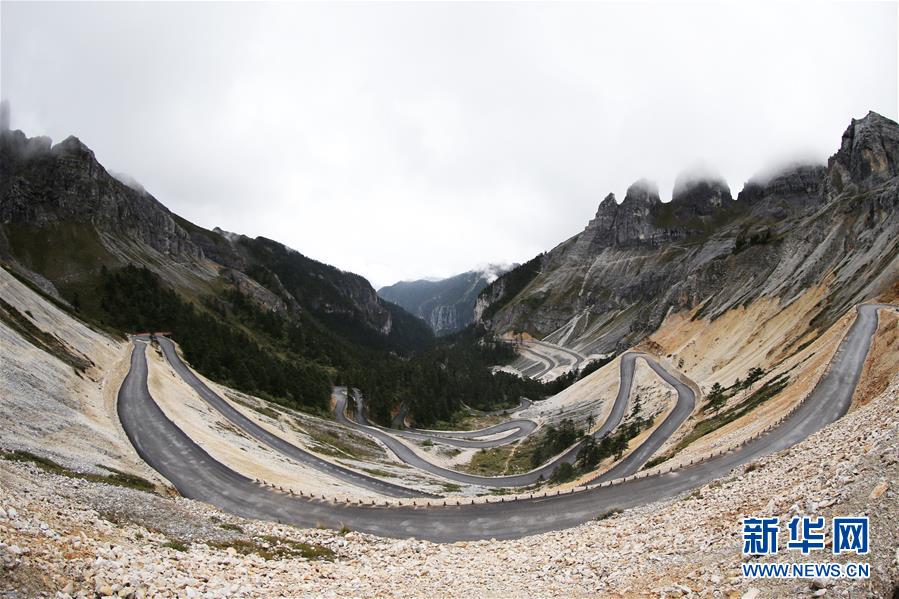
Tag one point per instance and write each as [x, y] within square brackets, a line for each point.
[61, 534]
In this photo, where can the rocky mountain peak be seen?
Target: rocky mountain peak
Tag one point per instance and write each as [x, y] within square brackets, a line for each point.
[64, 185]
[788, 190]
[642, 193]
[867, 154]
[608, 203]
[72, 145]
[699, 196]
[73, 151]
[66, 196]
[16, 145]
[632, 221]
[787, 234]
[230, 236]
[605, 214]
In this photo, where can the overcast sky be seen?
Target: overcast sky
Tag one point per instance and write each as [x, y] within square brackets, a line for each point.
[408, 140]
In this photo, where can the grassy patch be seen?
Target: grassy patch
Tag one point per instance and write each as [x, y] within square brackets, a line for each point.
[270, 547]
[176, 545]
[713, 423]
[70, 255]
[126, 479]
[117, 478]
[377, 472]
[656, 461]
[59, 251]
[341, 444]
[522, 455]
[489, 462]
[451, 488]
[90, 322]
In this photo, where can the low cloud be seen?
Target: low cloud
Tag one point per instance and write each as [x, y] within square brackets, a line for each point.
[408, 140]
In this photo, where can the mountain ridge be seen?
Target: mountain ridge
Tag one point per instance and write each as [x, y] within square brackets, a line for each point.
[607, 287]
[248, 311]
[63, 185]
[447, 305]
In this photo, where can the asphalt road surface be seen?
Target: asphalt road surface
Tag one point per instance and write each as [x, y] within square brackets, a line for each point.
[197, 475]
[686, 403]
[576, 358]
[522, 428]
[516, 428]
[474, 438]
[538, 365]
[273, 441]
[524, 404]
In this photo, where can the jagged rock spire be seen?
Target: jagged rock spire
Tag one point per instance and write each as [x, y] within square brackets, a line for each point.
[699, 195]
[867, 154]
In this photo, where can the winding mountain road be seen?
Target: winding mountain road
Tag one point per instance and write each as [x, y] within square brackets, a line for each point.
[518, 429]
[523, 426]
[273, 441]
[473, 438]
[523, 404]
[576, 358]
[197, 475]
[544, 355]
[686, 401]
[539, 365]
[410, 457]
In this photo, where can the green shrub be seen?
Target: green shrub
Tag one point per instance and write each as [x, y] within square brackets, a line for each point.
[176, 545]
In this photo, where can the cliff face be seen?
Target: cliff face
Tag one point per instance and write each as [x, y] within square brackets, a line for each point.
[63, 218]
[795, 190]
[612, 284]
[43, 186]
[447, 305]
[868, 156]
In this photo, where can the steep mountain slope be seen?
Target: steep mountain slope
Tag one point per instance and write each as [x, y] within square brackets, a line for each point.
[64, 218]
[609, 286]
[446, 305]
[249, 313]
[115, 254]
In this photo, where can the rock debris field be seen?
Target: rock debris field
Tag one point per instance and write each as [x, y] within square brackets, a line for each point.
[61, 536]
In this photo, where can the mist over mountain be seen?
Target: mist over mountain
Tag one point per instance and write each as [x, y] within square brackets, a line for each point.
[249, 312]
[661, 355]
[106, 247]
[832, 228]
[750, 296]
[447, 305]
